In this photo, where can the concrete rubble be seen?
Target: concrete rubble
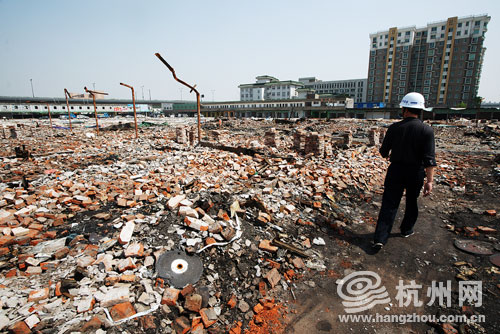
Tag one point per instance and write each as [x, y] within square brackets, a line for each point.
[84, 220]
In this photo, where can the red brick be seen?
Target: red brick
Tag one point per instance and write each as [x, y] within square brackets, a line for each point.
[160, 283]
[209, 241]
[266, 245]
[170, 296]
[258, 308]
[32, 234]
[193, 302]
[196, 321]
[232, 301]
[262, 288]
[290, 274]
[58, 222]
[48, 265]
[128, 278]
[126, 264]
[61, 253]
[35, 242]
[236, 329]
[135, 249]
[38, 295]
[20, 327]
[298, 263]
[491, 212]
[22, 240]
[92, 325]
[198, 329]
[50, 234]
[11, 273]
[205, 317]
[147, 322]
[181, 325]
[122, 311]
[4, 251]
[188, 289]
[37, 227]
[223, 215]
[273, 264]
[58, 292]
[91, 250]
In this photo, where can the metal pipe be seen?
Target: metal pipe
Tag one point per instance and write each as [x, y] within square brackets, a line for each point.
[92, 92]
[50, 117]
[133, 103]
[67, 94]
[192, 89]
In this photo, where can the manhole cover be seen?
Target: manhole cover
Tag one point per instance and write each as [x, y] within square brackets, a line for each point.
[495, 259]
[179, 268]
[474, 247]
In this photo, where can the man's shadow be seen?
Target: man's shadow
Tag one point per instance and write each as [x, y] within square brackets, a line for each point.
[364, 241]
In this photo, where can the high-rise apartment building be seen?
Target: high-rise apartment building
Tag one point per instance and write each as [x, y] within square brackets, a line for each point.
[442, 61]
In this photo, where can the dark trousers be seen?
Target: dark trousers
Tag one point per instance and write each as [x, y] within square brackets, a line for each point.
[399, 178]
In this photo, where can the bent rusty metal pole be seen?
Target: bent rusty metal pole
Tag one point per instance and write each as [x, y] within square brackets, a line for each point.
[133, 103]
[67, 94]
[192, 89]
[93, 92]
[50, 117]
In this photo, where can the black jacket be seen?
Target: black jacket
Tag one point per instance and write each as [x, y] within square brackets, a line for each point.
[410, 142]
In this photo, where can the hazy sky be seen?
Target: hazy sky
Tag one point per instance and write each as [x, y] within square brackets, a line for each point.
[214, 44]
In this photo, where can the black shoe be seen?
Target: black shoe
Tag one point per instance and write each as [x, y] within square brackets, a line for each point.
[406, 235]
[377, 246]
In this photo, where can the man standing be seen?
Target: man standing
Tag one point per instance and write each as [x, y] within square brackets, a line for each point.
[410, 143]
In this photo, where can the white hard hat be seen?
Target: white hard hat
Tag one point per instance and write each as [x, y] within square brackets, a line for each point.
[413, 100]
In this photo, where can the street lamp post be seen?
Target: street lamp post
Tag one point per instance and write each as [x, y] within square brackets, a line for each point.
[142, 88]
[32, 91]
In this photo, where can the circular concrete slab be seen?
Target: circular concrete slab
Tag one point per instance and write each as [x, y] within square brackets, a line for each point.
[474, 247]
[495, 259]
[179, 268]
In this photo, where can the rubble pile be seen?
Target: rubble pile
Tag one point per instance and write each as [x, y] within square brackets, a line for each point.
[84, 222]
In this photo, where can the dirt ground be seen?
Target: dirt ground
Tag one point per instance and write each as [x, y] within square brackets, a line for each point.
[429, 255]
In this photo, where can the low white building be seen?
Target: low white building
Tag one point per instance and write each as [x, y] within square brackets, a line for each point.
[354, 88]
[269, 88]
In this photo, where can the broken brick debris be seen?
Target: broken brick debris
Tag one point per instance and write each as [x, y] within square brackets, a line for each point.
[85, 220]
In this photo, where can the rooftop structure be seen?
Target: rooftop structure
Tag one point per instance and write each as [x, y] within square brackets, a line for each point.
[269, 88]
